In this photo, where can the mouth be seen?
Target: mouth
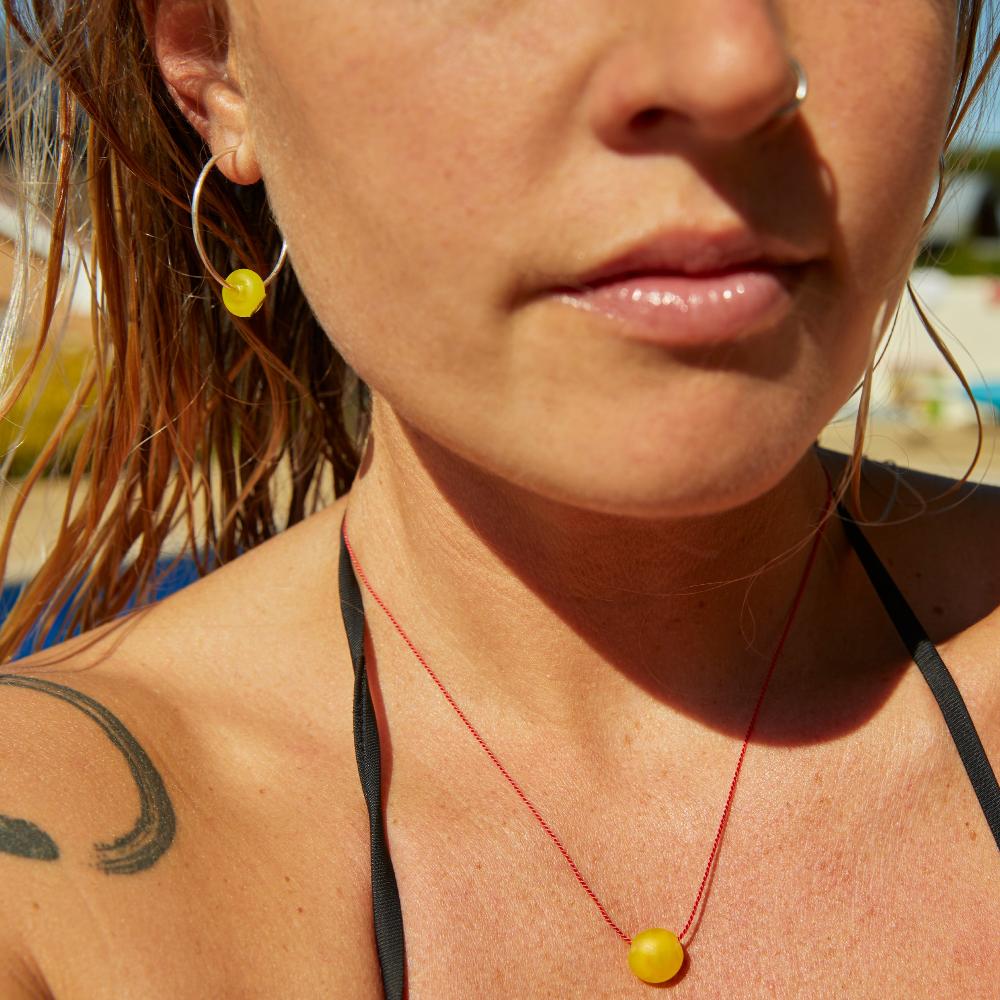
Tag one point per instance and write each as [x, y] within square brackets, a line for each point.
[686, 287]
[686, 310]
[694, 252]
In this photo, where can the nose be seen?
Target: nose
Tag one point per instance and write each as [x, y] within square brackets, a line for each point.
[715, 69]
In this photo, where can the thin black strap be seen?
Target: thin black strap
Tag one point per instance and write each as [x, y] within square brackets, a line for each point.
[937, 675]
[385, 894]
[389, 936]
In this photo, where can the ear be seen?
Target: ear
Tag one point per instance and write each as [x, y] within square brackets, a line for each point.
[190, 41]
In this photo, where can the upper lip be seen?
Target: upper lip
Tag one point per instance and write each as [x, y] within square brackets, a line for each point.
[693, 251]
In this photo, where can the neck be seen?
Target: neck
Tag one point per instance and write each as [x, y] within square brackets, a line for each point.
[560, 617]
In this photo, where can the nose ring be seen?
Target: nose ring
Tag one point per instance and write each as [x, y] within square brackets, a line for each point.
[801, 89]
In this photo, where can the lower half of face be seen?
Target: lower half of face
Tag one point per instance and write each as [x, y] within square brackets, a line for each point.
[442, 172]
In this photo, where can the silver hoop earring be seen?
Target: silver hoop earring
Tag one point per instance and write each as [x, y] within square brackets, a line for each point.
[243, 292]
[801, 90]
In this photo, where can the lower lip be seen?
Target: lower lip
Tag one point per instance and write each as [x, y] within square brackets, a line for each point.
[687, 310]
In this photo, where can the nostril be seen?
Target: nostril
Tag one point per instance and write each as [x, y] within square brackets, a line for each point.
[648, 118]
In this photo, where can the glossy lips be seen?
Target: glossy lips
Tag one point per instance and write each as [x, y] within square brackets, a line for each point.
[688, 287]
[689, 310]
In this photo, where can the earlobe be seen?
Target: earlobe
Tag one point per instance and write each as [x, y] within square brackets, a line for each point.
[191, 48]
[223, 123]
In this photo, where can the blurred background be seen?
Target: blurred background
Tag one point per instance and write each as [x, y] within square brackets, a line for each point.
[921, 416]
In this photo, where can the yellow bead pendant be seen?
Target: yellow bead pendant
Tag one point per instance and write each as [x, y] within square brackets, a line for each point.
[655, 955]
[248, 295]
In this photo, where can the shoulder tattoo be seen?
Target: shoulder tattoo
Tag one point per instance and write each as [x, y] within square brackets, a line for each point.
[139, 848]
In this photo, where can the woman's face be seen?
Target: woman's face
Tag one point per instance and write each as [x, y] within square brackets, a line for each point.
[438, 166]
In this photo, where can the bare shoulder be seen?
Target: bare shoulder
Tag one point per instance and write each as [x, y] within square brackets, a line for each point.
[179, 802]
[940, 541]
[83, 802]
[937, 535]
[20, 978]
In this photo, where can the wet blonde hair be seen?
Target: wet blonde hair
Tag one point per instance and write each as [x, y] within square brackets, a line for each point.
[185, 414]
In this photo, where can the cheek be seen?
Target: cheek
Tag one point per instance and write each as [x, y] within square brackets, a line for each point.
[415, 165]
[413, 158]
[390, 153]
[879, 126]
[402, 152]
[877, 123]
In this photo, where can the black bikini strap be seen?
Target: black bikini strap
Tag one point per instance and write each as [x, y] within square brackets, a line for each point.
[385, 894]
[937, 675]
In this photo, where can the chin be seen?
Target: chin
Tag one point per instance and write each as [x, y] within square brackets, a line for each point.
[650, 481]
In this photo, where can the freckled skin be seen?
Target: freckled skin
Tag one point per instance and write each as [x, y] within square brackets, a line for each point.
[139, 848]
[435, 166]
[430, 162]
[560, 491]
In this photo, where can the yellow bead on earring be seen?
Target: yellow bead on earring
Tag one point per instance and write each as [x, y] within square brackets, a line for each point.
[248, 295]
[243, 292]
[655, 955]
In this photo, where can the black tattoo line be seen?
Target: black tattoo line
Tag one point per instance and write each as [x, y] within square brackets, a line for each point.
[154, 830]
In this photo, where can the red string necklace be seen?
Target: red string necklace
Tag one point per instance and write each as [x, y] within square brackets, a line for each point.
[655, 955]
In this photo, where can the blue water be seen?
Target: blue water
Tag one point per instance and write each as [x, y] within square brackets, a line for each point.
[177, 578]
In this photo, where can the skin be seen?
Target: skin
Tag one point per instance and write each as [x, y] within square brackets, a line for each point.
[571, 519]
[594, 542]
[153, 832]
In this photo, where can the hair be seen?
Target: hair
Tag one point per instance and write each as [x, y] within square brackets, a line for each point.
[187, 418]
